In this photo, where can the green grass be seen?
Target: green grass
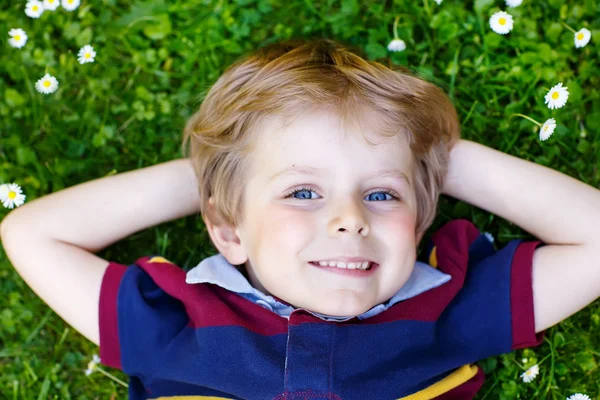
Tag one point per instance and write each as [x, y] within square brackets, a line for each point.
[155, 61]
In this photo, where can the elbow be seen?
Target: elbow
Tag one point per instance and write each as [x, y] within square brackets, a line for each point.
[4, 225]
[10, 224]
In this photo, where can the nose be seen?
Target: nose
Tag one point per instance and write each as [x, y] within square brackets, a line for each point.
[349, 217]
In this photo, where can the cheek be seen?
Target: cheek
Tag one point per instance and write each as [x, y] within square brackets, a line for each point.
[399, 226]
[285, 227]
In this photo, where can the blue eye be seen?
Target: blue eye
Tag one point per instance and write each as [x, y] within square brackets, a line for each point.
[305, 196]
[302, 190]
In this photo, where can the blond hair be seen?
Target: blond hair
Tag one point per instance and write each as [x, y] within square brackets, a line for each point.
[286, 78]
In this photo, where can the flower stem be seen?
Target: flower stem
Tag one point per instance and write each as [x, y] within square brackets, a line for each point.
[34, 99]
[396, 27]
[526, 117]
[114, 378]
[568, 27]
[427, 9]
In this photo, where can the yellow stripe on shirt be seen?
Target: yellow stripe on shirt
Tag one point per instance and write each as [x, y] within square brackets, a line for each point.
[433, 257]
[159, 259]
[455, 379]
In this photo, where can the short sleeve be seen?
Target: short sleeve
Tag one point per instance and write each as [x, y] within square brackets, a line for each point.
[110, 353]
[521, 298]
[138, 318]
[493, 312]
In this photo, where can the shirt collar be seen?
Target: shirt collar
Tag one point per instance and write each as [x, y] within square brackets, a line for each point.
[217, 270]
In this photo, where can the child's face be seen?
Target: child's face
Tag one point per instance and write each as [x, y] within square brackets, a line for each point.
[343, 214]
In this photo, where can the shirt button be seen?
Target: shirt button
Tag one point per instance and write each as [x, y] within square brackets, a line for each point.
[264, 304]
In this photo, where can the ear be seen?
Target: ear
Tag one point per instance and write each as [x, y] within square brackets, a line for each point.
[224, 236]
[419, 237]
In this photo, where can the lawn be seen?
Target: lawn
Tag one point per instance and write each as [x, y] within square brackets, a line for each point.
[154, 62]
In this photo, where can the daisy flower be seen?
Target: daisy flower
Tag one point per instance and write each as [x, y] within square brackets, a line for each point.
[92, 364]
[11, 195]
[582, 37]
[579, 396]
[51, 4]
[69, 5]
[501, 22]
[557, 96]
[47, 84]
[530, 374]
[546, 130]
[513, 3]
[34, 8]
[396, 45]
[86, 54]
[18, 38]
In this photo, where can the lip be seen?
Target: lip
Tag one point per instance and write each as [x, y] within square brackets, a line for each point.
[359, 273]
[345, 259]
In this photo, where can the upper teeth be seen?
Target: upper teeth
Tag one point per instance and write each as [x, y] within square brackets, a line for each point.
[340, 264]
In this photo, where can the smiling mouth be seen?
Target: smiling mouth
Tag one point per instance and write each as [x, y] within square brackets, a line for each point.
[371, 266]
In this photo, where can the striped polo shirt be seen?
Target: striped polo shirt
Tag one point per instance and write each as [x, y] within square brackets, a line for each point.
[207, 334]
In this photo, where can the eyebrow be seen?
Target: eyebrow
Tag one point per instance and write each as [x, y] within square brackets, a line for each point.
[319, 172]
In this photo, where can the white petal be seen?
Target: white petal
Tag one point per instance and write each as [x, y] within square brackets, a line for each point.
[51, 4]
[562, 94]
[579, 396]
[501, 22]
[3, 192]
[397, 45]
[47, 84]
[11, 195]
[18, 37]
[545, 131]
[582, 37]
[34, 9]
[69, 5]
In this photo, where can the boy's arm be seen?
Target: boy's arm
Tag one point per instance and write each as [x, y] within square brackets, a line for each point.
[51, 240]
[557, 209]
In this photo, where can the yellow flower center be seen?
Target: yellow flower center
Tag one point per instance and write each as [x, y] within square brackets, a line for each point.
[47, 83]
[502, 21]
[555, 95]
[17, 37]
[87, 55]
[70, 1]
[12, 195]
[579, 36]
[50, 1]
[545, 127]
[34, 8]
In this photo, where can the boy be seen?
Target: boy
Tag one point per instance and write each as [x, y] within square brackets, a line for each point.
[317, 174]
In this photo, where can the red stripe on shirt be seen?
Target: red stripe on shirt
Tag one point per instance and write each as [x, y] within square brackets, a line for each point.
[521, 297]
[110, 351]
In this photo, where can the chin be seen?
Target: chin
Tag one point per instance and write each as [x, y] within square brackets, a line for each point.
[344, 311]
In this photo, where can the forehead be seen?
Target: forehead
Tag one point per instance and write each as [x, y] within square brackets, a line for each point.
[323, 139]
